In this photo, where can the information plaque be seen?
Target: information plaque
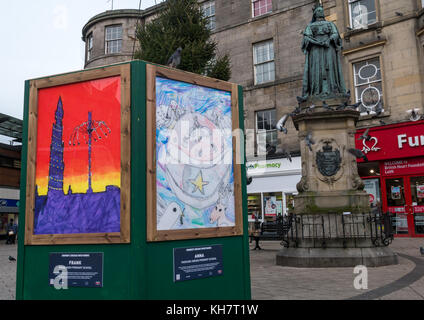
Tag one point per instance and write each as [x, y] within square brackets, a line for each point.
[197, 262]
[83, 269]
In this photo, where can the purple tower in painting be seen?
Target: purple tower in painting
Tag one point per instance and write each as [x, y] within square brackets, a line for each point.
[71, 213]
[57, 165]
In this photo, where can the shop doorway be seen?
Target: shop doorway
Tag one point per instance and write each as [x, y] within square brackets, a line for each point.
[404, 198]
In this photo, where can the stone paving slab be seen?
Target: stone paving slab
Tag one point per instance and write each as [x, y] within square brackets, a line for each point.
[272, 282]
[7, 271]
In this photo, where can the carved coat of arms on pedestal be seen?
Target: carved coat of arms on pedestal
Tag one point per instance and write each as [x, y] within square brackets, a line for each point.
[328, 160]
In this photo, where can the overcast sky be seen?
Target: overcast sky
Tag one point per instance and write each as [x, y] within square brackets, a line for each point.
[43, 37]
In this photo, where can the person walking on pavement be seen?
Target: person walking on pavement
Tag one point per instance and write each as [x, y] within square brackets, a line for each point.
[12, 230]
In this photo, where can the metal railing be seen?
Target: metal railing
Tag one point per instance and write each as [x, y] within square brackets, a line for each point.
[349, 230]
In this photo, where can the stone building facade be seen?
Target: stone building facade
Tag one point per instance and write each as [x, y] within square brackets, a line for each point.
[383, 64]
[110, 37]
[10, 170]
[392, 41]
[10, 174]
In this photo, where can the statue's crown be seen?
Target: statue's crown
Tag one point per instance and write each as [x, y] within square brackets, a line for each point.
[316, 6]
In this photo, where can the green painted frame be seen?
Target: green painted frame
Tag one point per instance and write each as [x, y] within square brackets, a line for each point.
[139, 270]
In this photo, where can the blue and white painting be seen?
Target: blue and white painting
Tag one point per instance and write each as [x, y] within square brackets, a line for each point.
[194, 165]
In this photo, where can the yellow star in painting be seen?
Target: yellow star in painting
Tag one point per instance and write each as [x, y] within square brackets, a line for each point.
[198, 183]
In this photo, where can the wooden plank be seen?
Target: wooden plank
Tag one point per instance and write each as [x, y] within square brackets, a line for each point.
[237, 158]
[125, 153]
[76, 77]
[124, 71]
[83, 238]
[31, 162]
[200, 233]
[193, 79]
[151, 152]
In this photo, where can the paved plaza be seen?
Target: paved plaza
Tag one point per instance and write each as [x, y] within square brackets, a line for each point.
[272, 282]
[402, 281]
[7, 271]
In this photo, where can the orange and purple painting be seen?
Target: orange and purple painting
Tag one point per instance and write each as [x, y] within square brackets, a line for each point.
[78, 162]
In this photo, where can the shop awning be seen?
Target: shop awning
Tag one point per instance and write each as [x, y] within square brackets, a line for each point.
[274, 184]
[11, 127]
[276, 175]
[9, 206]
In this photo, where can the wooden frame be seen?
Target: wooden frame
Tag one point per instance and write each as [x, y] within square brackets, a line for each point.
[160, 235]
[124, 71]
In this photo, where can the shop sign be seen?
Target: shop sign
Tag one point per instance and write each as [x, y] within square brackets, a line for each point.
[259, 167]
[9, 203]
[397, 209]
[419, 209]
[392, 141]
[401, 167]
[419, 220]
[401, 223]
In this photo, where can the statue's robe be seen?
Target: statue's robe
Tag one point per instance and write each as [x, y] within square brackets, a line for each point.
[323, 76]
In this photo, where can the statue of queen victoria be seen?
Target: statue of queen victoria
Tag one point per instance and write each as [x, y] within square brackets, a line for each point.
[323, 75]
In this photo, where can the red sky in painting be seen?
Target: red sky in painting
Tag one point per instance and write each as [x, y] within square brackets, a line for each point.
[101, 97]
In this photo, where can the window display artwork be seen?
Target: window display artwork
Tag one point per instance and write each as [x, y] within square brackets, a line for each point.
[194, 178]
[396, 192]
[372, 187]
[270, 206]
[420, 191]
[78, 178]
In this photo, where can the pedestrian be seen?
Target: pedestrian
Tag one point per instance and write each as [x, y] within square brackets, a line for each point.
[12, 230]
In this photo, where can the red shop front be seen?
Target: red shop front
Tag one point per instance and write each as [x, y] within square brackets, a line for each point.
[394, 173]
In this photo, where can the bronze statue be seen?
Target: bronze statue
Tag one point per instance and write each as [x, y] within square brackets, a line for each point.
[323, 75]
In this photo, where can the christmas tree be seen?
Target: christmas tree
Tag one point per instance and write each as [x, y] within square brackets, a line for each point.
[182, 24]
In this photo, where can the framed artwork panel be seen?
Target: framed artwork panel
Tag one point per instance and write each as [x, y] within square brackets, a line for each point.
[78, 165]
[193, 180]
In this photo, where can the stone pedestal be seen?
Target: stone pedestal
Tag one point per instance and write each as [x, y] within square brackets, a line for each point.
[330, 180]
[336, 257]
[331, 224]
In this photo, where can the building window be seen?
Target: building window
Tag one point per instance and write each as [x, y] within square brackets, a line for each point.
[263, 59]
[362, 13]
[113, 39]
[266, 134]
[90, 46]
[254, 206]
[260, 7]
[368, 85]
[208, 9]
